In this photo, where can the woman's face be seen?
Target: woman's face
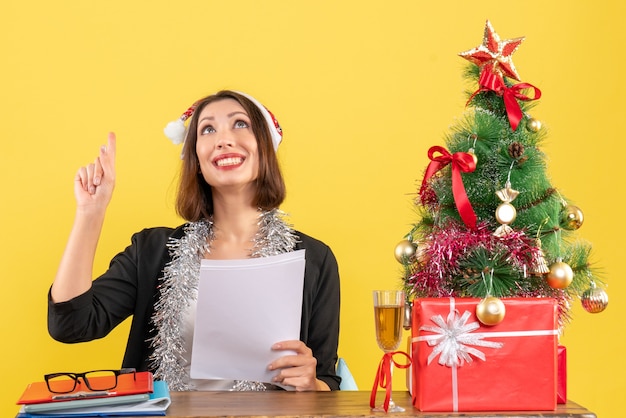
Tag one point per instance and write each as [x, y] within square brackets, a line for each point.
[226, 147]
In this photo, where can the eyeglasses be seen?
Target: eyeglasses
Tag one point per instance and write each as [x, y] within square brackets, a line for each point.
[95, 380]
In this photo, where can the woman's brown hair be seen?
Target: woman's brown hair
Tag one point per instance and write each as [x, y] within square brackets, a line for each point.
[195, 200]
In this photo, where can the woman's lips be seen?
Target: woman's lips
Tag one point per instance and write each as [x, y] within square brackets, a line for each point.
[229, 160]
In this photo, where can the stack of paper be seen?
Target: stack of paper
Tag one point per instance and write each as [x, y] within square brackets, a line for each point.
[244, 307]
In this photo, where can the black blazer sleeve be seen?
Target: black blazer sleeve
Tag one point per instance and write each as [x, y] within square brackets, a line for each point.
[127, 288]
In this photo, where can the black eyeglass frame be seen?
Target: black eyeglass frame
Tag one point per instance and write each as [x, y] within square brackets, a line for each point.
[77, 376]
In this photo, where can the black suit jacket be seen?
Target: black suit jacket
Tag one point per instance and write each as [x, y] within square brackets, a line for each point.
[129, 287]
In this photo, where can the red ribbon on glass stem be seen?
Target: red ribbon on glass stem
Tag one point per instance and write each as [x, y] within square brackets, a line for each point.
[383, 376]
[490, 81]
[461, 162]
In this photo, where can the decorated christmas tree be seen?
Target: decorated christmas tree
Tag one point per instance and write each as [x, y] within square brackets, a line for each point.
[490, 223]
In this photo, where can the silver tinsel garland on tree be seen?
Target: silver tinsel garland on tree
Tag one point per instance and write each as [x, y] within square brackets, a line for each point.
[180, 282]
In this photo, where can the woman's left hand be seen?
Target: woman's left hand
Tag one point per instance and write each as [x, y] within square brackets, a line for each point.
[298, 369]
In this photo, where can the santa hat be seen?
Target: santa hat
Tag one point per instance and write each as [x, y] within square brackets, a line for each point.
[175, 130]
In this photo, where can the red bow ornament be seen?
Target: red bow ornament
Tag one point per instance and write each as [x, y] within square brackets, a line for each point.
[461, 162]
[492, 81]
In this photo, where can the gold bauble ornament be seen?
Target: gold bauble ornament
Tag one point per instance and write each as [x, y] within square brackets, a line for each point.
[490, 311]
[560, 275]
[533, 125]
[571, 217]
[594, 300]
[506, 213]
[405, 250]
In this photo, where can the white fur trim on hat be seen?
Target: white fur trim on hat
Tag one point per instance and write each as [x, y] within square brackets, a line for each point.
[175, 130]
[275, 129]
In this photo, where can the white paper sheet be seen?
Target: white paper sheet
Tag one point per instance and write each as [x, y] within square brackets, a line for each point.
[244, 307]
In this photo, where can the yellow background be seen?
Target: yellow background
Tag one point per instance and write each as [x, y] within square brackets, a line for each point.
[362, 90]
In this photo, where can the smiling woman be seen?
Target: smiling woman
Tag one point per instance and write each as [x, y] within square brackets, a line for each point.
[230, 191]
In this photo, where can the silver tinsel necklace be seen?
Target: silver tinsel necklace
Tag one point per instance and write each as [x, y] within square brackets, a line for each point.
[180, 282]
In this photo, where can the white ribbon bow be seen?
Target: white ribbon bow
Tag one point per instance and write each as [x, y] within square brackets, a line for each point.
[452, 339]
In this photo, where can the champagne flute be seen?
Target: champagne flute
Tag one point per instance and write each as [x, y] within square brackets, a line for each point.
[389, 318]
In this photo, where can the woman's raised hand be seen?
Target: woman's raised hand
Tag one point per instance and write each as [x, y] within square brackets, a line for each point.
[94, 183]
[93, 188]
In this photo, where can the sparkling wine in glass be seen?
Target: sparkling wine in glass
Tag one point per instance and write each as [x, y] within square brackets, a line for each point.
[389, 318]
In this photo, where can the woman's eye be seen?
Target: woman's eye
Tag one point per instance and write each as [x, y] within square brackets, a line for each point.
[241, 124]
[207, 130]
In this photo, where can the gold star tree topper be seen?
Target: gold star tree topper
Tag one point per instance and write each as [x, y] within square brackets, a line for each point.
[495, 53]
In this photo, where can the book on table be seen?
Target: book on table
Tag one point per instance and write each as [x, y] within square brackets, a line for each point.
[132, 396]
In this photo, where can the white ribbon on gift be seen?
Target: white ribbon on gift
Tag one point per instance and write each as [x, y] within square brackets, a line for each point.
[453, 337]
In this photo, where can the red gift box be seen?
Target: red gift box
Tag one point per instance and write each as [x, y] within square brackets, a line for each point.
[461, 365]
[561, 376]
